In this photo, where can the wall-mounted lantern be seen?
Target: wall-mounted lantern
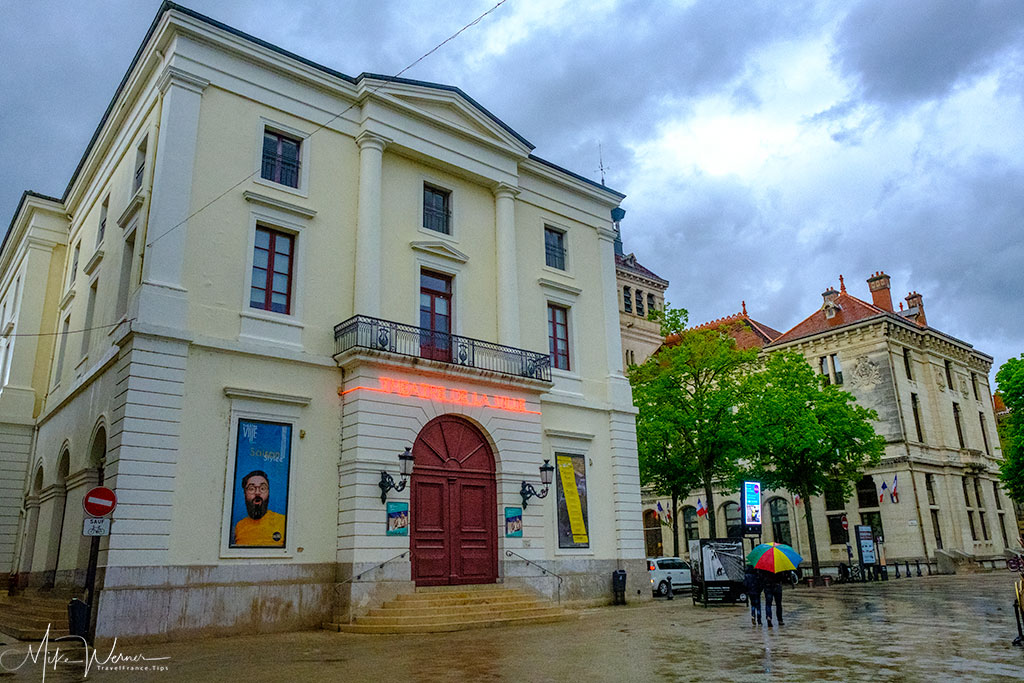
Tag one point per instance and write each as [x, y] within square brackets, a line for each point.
[387, 482]
[527, 491]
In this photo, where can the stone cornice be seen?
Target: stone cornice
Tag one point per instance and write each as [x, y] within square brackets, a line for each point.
[256, 395]
[280, 205]
[173, 75]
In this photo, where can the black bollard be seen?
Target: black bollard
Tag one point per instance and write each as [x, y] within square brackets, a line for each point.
[908, 569]
[671, 593]
[918, 563]
[897, 570]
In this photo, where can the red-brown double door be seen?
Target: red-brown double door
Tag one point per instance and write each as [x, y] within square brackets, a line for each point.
[454, 533]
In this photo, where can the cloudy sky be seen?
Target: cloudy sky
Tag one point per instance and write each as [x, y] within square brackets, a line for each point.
[765, 147]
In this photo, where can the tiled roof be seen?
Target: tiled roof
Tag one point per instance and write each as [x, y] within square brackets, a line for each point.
[849, 309]
[748, 333]
[629, 262]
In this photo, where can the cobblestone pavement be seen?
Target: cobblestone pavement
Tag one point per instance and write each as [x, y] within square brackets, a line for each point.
[927, 629]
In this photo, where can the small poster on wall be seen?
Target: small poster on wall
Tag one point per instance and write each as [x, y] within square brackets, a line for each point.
[260, 505]
[572, 501]
[514, 522]
[398, 519]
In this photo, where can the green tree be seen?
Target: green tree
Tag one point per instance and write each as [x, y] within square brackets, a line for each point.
[805, 436]
[686, 393]
[1010, 380]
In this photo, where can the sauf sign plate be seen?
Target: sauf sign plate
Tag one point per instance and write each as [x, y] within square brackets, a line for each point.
[96, 526]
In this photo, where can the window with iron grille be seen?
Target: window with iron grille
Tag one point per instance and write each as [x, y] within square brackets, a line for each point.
[639, 302]
[650, 304]
[272, 264]
[627, 299]
[437, 210]
[280, 158]
[554, 248]
[558, 336]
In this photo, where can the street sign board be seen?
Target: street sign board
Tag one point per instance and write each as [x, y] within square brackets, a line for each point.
[751, 501]
[865, 544]
[96, 526]
[99, 501]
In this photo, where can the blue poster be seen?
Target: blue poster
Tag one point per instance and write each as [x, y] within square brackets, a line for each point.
[260, 503]
[398, 519]
[514, 522]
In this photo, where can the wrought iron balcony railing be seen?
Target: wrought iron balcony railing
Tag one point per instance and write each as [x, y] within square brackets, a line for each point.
[384, 335]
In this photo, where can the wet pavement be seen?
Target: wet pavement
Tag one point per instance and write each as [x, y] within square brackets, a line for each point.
[918, 629]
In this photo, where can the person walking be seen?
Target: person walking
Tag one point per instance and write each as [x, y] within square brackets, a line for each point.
[752, 584]
[773, 593]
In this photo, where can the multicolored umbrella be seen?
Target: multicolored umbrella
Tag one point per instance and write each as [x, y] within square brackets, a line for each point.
[774, 557]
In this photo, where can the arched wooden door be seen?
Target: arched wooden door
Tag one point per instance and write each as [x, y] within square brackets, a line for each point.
[454, 532]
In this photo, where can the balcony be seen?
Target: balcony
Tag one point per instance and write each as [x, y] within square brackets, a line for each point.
[405, 340]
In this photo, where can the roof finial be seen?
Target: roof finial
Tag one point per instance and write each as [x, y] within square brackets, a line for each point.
[842, 285]
[901, 305]
[744, 309]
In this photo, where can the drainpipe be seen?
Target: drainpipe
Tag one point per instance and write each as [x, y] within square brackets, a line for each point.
[906, 447]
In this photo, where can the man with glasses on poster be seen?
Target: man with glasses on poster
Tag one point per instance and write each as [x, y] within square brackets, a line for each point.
[262, 526]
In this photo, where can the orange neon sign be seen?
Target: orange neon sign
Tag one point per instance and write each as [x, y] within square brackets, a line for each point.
[442, 394]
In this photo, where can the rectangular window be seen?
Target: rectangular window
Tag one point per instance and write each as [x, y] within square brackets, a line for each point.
[984, 526]
[554, 248]
[272, 271]
[558, 336]
[650, 304]
[984, 431]
[90, 314]
[967, 494]
[64, 332]
[1002, 529]
[627, 299]
[823, 367]
[949, 375]
[915, 406]
[74, 263]
[837, 534]
[906, 363]
[936, 529]
[437, 210]
[639, 302]
[959, 427]
[101, 230]
[834, 498]
[837, 368]
[995, 495]
[970, 520]
[259, 507]
[691, 525]
[929, 484]
[873, 520]
[140, 166]
[974, 385]
[125, 277]
[977, 494]
[571, 491]
[280, 159]
[435, 316]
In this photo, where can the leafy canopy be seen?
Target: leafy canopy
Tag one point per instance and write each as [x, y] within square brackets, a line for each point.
[1010, 380]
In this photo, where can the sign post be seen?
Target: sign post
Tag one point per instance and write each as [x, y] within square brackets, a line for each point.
[98, 503]
[865, 548]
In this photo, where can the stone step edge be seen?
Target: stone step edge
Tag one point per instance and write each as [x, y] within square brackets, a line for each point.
[458, 609]
[442, 628]
[448, 618]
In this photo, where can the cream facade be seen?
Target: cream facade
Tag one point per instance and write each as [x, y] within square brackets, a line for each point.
[933, 399]
[256, 245]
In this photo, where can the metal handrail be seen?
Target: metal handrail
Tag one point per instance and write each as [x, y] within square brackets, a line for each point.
[544, 570]
[374, 568]
[418, 342]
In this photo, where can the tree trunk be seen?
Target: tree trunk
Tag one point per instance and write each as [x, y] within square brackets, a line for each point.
[809, 516]
[711, 508]
[675, 523]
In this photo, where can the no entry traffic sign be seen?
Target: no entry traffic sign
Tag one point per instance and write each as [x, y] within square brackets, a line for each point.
[99, 502]
[846, 523]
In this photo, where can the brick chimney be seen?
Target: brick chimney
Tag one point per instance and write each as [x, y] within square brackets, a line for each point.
[916, 306]
[880, 294]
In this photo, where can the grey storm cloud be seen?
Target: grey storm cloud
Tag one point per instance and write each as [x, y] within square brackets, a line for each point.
[905, 52]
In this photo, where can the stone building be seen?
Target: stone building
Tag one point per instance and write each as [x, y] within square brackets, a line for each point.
[931, 392]
[265, 282]
[642, 291]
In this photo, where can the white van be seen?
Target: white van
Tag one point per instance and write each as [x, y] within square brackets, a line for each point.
[662, 569]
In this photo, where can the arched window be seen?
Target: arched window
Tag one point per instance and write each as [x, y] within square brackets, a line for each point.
[867, 494]
[652, 534]
[691, 529]
[733, 522]
[778, 509]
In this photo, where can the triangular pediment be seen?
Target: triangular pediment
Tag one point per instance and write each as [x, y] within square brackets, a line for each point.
[440, 249]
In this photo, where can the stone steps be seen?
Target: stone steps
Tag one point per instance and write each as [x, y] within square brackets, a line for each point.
[455, 608]
[28, 617]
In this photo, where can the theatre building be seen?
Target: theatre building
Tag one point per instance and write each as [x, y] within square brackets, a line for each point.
[267, 281]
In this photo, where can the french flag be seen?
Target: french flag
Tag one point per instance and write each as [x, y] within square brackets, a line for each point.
[661, 510]
[796, 499]
[894, 495]
[881, 496]
[702, 509]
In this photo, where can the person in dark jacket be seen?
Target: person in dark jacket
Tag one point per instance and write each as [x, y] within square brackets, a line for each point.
[752, 584]
[773, 593]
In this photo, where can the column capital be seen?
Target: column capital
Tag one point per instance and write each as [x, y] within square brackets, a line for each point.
[505, 191]
[369, 140]
[172, 75]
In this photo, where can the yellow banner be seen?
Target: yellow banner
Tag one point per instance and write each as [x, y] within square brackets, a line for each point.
[567, 473]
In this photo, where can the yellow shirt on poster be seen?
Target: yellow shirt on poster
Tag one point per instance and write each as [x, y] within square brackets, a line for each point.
[268, 530]
[567, 473]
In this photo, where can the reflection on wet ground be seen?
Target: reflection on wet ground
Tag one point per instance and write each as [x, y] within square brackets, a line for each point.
[919, 629]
